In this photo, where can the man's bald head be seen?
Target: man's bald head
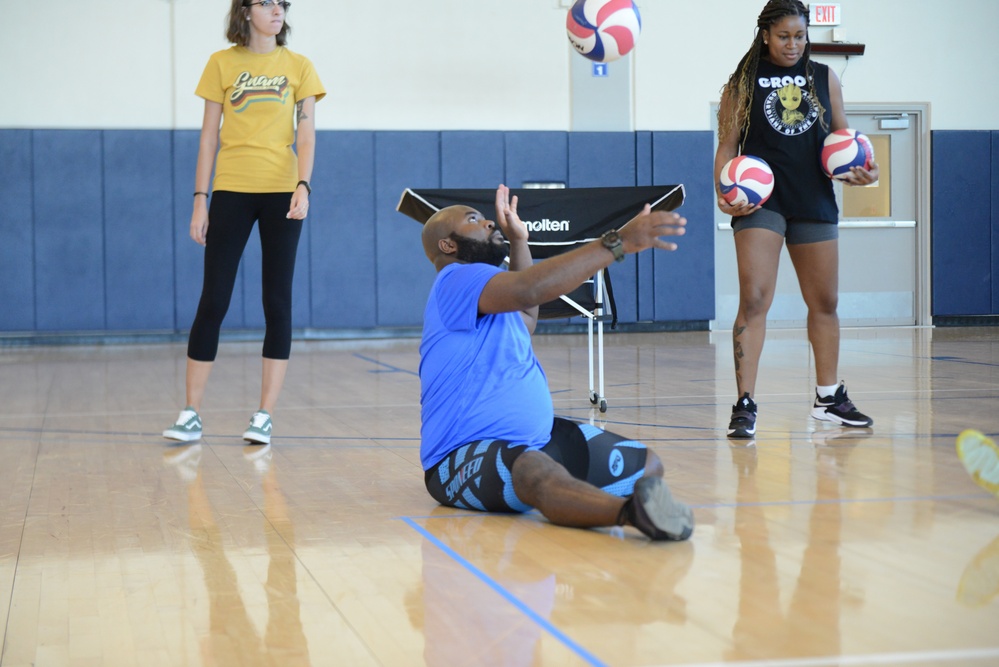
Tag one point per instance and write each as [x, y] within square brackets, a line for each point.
[462, 234]
[439, 227]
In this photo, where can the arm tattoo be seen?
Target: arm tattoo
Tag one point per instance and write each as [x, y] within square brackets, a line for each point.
[301, 111]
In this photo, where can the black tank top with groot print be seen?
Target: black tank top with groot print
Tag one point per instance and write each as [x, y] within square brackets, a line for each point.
[784, 130]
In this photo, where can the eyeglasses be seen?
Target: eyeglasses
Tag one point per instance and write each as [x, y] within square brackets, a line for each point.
[269, 4]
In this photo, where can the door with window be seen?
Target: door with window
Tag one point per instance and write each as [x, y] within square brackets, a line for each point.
[884, 235]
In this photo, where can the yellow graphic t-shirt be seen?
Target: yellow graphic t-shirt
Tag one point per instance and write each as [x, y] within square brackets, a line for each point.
[258, 93]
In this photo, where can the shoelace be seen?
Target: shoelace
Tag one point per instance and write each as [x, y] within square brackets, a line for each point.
[259, 419]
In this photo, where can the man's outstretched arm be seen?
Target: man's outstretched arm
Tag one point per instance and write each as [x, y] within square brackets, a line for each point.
[539, 283]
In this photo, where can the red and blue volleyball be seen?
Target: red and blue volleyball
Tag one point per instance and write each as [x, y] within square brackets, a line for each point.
[844, 149]
[603, 30]
[746, 179]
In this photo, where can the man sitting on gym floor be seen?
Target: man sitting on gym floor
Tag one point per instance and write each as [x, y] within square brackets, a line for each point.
[490, 440]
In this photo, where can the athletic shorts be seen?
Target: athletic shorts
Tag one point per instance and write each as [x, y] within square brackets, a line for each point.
[795, 233]
[478, 475]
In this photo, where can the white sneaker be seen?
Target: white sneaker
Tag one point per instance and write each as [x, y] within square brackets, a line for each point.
[187, 428]
[259, 430]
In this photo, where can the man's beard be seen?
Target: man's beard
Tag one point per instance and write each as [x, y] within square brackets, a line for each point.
[473, 251]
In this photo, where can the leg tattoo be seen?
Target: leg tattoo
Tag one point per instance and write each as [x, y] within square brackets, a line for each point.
[739, 354]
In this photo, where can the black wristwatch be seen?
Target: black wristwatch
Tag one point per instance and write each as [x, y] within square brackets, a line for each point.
[612, 241]
[308, 188]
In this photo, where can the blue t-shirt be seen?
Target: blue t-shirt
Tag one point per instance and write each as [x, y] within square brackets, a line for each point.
[478, 374]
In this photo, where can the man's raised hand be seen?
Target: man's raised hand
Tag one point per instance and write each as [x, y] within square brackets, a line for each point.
[647, 228]
[506, 216]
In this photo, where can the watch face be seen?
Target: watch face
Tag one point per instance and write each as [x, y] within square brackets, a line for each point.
[612, 241]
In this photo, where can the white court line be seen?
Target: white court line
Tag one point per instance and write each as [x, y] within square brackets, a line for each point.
[873, 659]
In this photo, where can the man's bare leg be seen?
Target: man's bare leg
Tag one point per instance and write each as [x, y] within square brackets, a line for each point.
[542, 483]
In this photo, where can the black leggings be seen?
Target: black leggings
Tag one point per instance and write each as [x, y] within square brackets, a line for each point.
[231, 217]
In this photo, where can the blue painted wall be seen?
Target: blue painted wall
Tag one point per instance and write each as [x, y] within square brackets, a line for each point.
[965, 209]
[93, 225]
[17, 233]
[94, 230]
[994, 190]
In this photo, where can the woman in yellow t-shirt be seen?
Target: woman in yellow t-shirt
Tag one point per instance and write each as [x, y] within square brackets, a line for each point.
[260, 99]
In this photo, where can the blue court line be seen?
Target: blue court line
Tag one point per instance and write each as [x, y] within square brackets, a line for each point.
[714, 404]
[390, 368]
[959, 360]
[509, 597]
[677, 442]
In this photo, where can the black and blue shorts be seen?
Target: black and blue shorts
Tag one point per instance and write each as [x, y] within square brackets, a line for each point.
[478, 475]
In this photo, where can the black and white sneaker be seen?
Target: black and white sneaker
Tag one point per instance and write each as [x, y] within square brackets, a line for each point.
[839, 409]
[743, 422]
[652, 510]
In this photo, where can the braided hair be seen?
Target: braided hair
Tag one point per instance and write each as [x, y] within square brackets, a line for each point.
[741, 83]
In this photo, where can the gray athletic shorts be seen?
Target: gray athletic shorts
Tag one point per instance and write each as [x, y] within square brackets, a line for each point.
[794, 233]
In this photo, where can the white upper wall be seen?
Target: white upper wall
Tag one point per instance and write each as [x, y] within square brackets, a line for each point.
[473, 64]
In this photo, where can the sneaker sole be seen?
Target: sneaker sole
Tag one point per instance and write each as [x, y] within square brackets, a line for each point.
[980, 456]
[257, 438]
[670, 516]
[181, 436]
[741, 433]
[822, 414]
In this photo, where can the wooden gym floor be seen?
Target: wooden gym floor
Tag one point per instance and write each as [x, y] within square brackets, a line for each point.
[814, 546]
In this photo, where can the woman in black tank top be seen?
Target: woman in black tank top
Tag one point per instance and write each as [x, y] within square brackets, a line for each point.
[778, 105]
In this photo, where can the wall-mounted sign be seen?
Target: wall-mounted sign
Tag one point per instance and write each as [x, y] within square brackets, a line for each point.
[825, 14]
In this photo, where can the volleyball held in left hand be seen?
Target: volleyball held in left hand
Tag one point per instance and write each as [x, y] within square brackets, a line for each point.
[603, 30]
[844, 149]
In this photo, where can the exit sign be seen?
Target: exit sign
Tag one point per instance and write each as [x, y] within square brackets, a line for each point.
[825, 14]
